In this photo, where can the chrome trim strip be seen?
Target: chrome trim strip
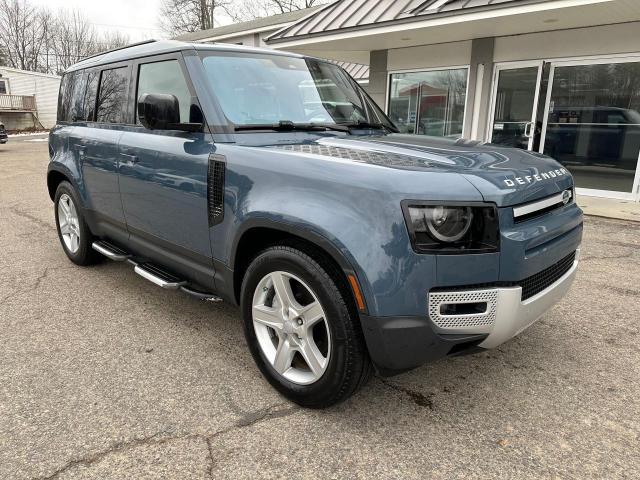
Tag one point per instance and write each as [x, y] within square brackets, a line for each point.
[538, 205]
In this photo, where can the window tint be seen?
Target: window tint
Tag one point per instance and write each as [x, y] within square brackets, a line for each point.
[111, 105]
[64, 99]
[77, 97]
[165, 78]
[91, 92]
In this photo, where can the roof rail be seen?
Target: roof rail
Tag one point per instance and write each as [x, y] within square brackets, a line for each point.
[144, 42]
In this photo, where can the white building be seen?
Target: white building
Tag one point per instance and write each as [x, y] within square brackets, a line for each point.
[27, 99]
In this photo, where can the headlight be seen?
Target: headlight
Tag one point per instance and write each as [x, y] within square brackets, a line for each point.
[452, 228]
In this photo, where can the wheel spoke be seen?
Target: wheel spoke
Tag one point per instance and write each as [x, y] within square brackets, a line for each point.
[65, 229]
[284, 356]
[312, 314]
[74, 242]
[313, 357]
[282, 286]
[268, 316]
[65, 207]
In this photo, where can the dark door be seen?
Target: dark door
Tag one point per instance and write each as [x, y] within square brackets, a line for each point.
[163, 174]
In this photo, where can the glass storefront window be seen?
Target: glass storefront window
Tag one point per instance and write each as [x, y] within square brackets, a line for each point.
[429, 103]
[593, 125]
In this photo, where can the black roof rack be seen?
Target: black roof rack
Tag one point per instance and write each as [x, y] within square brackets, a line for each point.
[144, 42]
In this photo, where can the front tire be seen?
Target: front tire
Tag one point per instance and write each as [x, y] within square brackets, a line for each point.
[302, 328]
[73, 231]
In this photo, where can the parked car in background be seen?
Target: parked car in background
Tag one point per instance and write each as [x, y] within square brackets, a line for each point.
[4, 138]
[220, 171]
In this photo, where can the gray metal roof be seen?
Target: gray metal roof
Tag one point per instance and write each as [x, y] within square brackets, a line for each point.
[239, 28]
[356, 70]
[352, 14]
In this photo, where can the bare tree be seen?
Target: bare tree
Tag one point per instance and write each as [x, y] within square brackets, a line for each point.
[32, 38]
[74, 38]
[248, 9]
[184, 16]
[24, 30]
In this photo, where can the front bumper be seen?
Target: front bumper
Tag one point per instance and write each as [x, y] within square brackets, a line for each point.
[506, 313]
[400, 344]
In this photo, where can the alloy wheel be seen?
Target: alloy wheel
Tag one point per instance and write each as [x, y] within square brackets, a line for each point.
[69, 223]
[291, 327]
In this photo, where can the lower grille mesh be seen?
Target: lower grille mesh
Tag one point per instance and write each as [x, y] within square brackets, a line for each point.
[535, 284]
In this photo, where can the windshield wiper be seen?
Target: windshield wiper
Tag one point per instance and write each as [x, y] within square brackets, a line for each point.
[289, 126]
[367, 125]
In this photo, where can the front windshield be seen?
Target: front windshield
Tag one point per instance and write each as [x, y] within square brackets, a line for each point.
[255, 89]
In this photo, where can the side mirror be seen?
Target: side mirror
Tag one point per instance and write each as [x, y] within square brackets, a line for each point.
[158, 111]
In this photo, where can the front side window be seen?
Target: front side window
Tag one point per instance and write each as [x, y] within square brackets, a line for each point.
[165, 78]
[429, 103]
[111, 104]
[268, 89]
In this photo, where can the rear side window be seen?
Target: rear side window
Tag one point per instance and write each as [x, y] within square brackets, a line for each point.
[165, 78]
[90, 95]
[64, 99]
[111, 104]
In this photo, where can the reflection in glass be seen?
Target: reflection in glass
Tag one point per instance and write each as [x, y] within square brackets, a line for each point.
[515, 96]
[112, 96]
[429, 103]
[594, 124]
[166, 78]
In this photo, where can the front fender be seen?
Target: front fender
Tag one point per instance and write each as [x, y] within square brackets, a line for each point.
[353, 208]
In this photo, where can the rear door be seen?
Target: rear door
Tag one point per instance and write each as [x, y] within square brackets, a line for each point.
[163, 174]
[98, 113]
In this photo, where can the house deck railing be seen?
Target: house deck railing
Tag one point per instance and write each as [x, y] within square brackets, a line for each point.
[19, 103]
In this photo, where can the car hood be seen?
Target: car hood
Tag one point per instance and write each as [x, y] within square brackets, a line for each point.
[505, 176]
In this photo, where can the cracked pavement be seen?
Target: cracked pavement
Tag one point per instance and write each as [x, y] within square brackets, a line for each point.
[105, 376]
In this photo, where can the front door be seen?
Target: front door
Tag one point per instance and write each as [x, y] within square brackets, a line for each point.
[163, 173]
[515, 100]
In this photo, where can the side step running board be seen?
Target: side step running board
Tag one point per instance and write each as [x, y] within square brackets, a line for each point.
[159, 277]
[148, 271]
[110, 251]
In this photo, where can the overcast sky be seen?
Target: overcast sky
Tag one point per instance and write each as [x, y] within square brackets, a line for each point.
[136, 18]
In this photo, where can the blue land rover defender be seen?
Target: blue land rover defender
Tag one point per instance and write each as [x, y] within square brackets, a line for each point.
[274, 182]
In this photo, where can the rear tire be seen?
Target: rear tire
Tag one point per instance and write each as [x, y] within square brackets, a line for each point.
[74, 234]
[309, 346]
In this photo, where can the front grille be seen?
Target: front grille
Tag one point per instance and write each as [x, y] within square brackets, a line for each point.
[530, 286]
[535, 284]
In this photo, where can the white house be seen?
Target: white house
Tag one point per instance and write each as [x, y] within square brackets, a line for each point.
[27, 99]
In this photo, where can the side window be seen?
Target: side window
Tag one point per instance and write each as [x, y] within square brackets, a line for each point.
[111, 104]
[165, 78]
[64, 98]
[90, 95]
[77, 97]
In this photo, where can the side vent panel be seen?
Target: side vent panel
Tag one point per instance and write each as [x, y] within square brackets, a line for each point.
[215, 188]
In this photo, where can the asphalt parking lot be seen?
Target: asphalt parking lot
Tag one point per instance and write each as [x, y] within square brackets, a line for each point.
[103, 375]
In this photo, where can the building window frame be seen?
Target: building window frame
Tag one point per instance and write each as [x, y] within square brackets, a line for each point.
[6, 86]
[634, 195]
[467, 108]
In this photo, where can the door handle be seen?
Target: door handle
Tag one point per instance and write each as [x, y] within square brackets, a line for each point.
[528, 130]
[131, 159]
